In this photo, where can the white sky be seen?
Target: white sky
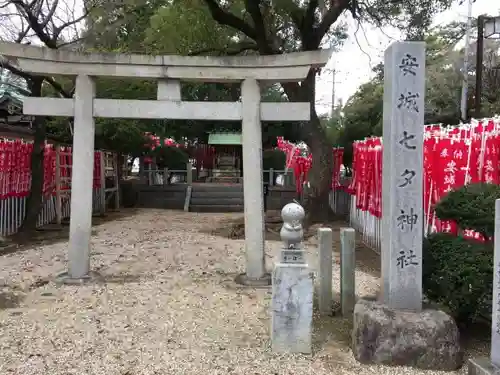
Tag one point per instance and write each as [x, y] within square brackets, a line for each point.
[354, 62]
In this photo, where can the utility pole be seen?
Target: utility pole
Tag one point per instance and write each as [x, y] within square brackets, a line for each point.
[479, 64]
[333, 93]
[465, 82]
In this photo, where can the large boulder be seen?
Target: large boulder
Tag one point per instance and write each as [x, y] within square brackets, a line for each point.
[427, 340]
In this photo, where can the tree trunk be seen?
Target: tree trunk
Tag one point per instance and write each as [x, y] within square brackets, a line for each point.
[34, 200]
[316, 199]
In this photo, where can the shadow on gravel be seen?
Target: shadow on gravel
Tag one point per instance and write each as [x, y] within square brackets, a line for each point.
[52, 233]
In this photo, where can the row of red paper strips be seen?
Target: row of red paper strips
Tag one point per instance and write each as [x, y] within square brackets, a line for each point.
[301, 165]
[154, 141]
[15, 168]
[453, 156]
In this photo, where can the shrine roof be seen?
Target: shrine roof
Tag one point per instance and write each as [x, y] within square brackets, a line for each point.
[223, 138]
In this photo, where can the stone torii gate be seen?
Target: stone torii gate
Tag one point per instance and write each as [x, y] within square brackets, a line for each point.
[168, 71]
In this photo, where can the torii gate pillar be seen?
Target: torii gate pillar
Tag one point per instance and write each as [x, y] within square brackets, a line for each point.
[253, 184]
[168, 71]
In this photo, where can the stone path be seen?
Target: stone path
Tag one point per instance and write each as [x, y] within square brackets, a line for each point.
[169, 306]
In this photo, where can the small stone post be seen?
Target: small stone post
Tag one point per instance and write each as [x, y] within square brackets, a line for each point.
[292, 288]
[150, 175]
[347, 270]
[271, 177]
[189, 174]
[117, 182]
[165, 176]
[325, 238]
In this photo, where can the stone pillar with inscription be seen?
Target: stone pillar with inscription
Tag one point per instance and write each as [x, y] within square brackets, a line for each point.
[402, 179]
[395, 330]
[491, 365]
[292, 288]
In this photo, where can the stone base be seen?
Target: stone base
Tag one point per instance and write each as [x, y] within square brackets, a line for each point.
[243, 279]
[482, 366]
[292, 308]
[66, 279]
[427, 340]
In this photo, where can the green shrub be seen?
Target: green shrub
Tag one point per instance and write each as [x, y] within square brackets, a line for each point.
[471, 207]
[458, 274]
[273, 159]
[173, 158]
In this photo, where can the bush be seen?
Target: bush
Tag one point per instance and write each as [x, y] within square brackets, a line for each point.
[273, 159]
[458, 274]
[173, 158]
[471, 207]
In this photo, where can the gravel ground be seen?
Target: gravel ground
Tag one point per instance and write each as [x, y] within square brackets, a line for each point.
[169, 306]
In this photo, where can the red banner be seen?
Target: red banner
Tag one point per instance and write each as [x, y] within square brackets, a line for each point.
[301, 165]
[453, 157]
[15, 168]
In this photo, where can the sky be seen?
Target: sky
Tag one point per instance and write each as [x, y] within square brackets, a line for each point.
[359, 54]
[353, 63]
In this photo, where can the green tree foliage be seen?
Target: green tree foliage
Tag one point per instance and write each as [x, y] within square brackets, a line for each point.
[153, 27]
[471, 207]
[280, 26]
[171, 157]
[458, 272]
[273, 159]
[362, 116]
[363, 111]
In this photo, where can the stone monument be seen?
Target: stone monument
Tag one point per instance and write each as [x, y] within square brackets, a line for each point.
[395, 330]
[292, 288]
[491, 365]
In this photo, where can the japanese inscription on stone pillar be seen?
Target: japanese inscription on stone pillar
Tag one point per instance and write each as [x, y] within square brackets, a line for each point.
[404, 89]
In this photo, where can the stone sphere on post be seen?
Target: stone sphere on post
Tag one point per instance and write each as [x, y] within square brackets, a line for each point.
[292, 232]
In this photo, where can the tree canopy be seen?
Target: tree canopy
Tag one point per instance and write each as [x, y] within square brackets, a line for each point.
[214, 27]
[362, 113]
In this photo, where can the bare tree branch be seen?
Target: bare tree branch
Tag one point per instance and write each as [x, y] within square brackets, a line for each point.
[336, 9]
[49, 16]
[224, 17]
[58, 30]
[51, 81]
[34, 23]
[253, 8]
[228, 50]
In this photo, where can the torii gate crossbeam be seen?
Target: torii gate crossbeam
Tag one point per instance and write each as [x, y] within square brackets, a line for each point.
[169, 71]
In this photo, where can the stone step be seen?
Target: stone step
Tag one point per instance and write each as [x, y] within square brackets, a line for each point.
[226, 172]
[216, 195]
[211, 200]
[214, 188]
[216, 208]
[226, 180]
